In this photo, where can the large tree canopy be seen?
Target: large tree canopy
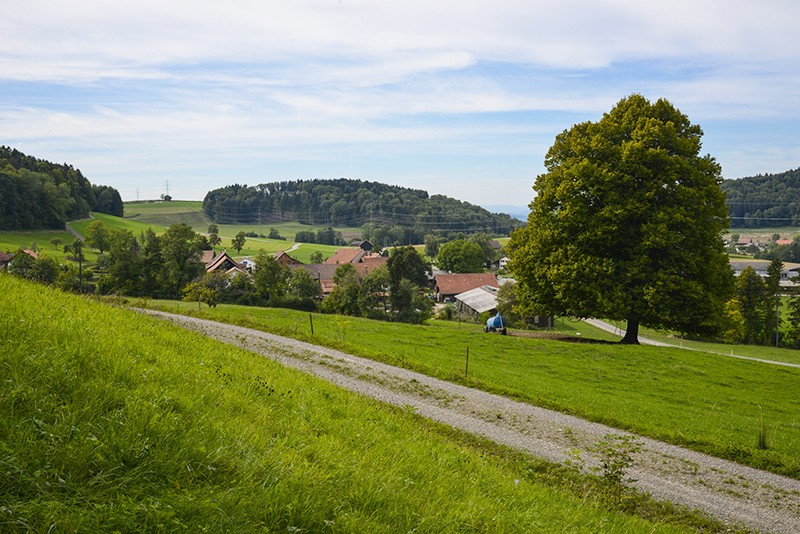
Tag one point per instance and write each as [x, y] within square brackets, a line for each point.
[627, 224]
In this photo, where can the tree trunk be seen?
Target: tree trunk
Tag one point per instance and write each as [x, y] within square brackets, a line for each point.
[631, 333]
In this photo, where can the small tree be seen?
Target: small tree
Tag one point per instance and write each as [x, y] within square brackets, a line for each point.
[97, 236]
[317, 257]
[238, 242]
[344, 297]
[752, 296]
[208, 288]
[76, 249]
[772, 301]
[270, 278]
[461, 256]
[56, 242]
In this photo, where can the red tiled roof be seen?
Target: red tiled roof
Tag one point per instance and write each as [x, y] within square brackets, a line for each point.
[345, 255]
[453, 284]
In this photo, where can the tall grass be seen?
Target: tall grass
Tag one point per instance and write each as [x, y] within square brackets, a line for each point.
[112, 421]
[707, 402]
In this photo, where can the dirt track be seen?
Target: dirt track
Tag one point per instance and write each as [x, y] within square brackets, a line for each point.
[733, 493]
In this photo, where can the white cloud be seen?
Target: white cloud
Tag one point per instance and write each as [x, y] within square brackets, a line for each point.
[186, 85]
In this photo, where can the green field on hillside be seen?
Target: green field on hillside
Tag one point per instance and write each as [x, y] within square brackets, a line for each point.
[707, 402]
[117, 422]
[26, 239]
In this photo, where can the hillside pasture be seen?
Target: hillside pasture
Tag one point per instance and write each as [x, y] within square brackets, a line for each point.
[707, 402]
[113, 421]
[13, 241]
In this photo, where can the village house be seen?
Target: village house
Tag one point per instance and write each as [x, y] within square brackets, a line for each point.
[225, 263]
[447, 286]
[788, 272]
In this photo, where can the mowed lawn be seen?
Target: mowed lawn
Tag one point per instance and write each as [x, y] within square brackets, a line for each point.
[711, 403]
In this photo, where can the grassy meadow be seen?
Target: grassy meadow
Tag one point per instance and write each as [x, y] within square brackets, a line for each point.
[114, 421]
[707, 402]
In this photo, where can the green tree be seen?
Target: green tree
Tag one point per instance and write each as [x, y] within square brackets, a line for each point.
[772, 285]
[123, 265]
[303, 286]
[374, 294]
[270, 278]
[214, 240]
[627, 224]
[753, 298]
[238, 242]
[44, 269]
[791, 337]
[461, 256]
[317, 257]
[432, 244]
[97, 236]
[208, 288]
[344, 297]
[56, 242]
[213, 229]
[76, 249]
[152, 263]
[180, 259]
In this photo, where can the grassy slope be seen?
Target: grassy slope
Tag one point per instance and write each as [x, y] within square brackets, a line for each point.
[711, 403]
[118, 422]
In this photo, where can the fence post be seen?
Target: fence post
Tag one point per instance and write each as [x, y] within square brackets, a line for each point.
[311, 320]
[466, 367]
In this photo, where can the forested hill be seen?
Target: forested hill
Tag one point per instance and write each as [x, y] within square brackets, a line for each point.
[765, 200]
[345, 202]
[36, 194]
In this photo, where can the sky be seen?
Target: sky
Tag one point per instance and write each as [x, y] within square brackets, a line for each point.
[457, 98]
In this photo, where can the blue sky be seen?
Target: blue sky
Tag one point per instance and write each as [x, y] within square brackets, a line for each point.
[459, 98]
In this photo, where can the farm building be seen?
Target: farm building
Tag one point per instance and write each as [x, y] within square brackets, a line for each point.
[447, 286]
[476, 301]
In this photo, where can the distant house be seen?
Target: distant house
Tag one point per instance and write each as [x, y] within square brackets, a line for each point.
[248, 264]
[285, 260]
[32, 253]
[789, 271]
[362, 244]
[447, 286]
[324, 272]
[346, 255]
[502, 263]
[226, 263]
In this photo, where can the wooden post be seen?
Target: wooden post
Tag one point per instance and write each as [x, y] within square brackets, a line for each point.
[466, 367]
[311, 320]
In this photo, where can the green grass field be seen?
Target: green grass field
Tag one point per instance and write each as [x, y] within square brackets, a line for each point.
[707, 402]
[113, 421]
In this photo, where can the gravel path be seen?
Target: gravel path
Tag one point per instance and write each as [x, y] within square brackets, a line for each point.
[735, 494]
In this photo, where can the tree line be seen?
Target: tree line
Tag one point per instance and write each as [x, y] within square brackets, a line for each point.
[38, 194]
[169, 266]
[351, 203]
[765, 200]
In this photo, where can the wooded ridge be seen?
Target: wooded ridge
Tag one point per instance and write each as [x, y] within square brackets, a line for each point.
[765, 200]
[38, 194]
[352, 203]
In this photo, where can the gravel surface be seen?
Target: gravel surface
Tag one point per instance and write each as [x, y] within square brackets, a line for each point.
[733, 493]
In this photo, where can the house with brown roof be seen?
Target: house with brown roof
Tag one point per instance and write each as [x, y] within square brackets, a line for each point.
[324, 272]
[447, 286]
[226, 263]
[346, 255]
[284, 260]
